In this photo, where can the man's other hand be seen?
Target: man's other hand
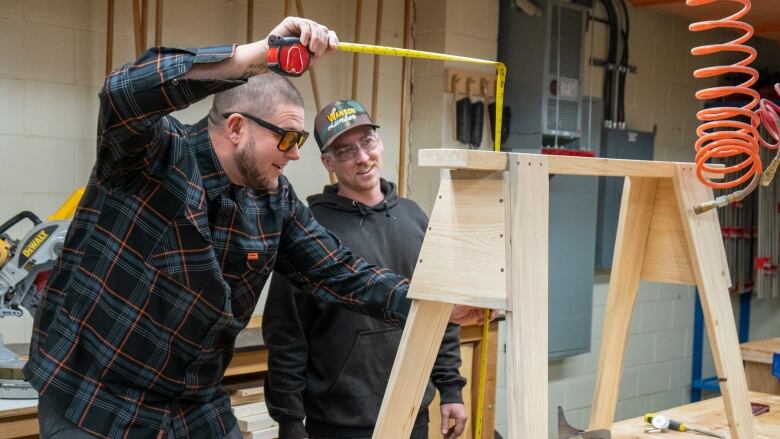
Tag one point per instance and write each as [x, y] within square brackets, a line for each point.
[456, 412]
[466, 315]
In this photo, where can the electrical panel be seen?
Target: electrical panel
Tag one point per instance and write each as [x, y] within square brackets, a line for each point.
[544, 54]
[616, 144]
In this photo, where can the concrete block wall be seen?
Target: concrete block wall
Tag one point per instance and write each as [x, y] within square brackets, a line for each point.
[53, 54]
[53, 64]
[449, 26]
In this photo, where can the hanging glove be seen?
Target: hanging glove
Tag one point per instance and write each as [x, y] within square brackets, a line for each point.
[463, 120]
[477, 124]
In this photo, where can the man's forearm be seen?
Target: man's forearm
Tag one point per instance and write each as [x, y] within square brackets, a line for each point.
[249, 60]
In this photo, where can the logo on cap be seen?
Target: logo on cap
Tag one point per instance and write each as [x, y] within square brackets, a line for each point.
[336, 118]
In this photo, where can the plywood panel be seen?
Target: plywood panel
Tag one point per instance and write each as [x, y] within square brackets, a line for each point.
[667, 258]
[463, 256]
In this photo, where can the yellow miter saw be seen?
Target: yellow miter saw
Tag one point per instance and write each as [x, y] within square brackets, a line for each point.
[25, 265]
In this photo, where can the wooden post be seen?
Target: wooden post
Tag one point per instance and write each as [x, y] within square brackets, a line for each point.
[314, 89]
[137, 28]
[406, 68]
[710, 267]
[158, 22]
[250, 20]
[527, 296]
[312, 73]
[636, 211]
[144, 23]
[378, 42]
[355, 57]
[110, 37]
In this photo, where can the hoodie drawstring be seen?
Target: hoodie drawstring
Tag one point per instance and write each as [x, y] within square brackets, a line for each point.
[387, 211]
[362, 212]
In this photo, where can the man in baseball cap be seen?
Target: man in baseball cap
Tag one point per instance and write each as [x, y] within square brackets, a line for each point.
[337, 118]
[331, 365]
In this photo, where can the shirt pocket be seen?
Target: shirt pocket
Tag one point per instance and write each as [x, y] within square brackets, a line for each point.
[254, 269]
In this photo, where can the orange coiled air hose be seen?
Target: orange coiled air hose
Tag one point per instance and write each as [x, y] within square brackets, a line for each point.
[728, 131]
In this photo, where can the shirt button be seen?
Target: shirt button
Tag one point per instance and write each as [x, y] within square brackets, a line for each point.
[175, 82]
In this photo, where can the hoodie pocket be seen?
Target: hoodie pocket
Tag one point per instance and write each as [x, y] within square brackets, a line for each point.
[363, 378]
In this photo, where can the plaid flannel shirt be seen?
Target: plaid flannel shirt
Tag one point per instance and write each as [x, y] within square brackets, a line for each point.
[164, 263]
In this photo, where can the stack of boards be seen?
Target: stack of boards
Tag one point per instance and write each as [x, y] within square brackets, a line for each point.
[248, 405]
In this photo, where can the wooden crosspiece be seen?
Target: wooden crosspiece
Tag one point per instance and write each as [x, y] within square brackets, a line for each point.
[487, 246]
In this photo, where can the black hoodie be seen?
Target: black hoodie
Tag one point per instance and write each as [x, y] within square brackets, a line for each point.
[332, 365]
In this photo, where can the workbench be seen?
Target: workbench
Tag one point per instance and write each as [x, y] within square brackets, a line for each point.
[709, 415]
[18, 418]
[757, 356]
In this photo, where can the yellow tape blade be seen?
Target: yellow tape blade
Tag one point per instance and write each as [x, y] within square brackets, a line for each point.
[411, 53]
[482, 376]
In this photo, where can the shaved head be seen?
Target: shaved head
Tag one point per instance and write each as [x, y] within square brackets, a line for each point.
[259, 96]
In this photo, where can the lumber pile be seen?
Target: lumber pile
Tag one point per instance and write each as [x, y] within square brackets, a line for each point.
[248, 406]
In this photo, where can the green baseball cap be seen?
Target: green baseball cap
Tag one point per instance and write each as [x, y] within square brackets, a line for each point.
[336, 119]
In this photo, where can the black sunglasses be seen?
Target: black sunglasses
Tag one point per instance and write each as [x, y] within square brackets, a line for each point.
[287, 138]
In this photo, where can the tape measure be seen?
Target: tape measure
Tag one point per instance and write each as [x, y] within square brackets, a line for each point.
[410, 53]
[287, 56]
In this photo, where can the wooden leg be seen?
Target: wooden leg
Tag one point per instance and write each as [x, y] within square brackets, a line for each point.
[636, 211]
[712, 277]
[527, 314]
[419, 346]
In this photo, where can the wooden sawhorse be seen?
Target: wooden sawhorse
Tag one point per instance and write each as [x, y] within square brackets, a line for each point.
[487, 246]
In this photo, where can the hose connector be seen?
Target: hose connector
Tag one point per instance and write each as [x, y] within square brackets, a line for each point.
[769, 173]
[721, 201]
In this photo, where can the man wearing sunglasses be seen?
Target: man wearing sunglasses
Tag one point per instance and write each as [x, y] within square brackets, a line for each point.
[176, 234]
[325, 363]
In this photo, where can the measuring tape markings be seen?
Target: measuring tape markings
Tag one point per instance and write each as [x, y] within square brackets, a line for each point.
[420, 54]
